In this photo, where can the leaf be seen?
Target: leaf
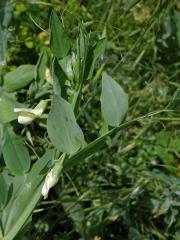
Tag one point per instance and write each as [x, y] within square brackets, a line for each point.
[7, 106]
[15, 153]
[19, 208]
[4, 188]
[23, 233]
[163, 138]
[41, 67]
[75, 211]
[174, 144]
[5, 20]
[3, 46]
[98, 49]
[62, 127]
[59, 79]
[66, 65]
[134, 234]
[104, 129]
[59, 41]
[175, 103]
[19, 78]
[26, 193]
[164, 155]
[177, 23]
[41, 164]
[94, 146]
[114, 102]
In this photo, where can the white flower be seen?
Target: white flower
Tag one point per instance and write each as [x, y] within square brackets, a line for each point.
[27, 115]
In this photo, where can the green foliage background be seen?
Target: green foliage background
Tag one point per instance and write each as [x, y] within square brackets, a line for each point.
[131, 189]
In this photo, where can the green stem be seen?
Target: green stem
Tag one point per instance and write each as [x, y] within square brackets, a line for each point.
[100, 142]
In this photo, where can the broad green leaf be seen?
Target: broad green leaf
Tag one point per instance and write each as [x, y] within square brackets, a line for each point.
[19, 208]
[22, 234]
[7, 106]
[59, 41]
[114, 102]
[19, 78]
[15, 153]
[62, 127]
[26, 193]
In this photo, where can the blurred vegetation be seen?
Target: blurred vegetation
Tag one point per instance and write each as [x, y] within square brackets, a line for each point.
[131, 190]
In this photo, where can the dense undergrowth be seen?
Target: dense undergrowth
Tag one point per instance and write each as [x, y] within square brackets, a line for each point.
[131, 188]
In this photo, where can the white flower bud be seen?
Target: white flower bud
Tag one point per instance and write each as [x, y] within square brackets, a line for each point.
[53, 176]
[50, 181]
[25, 120]
[48, 76]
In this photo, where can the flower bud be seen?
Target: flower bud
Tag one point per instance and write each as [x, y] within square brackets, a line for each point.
[50, 180]
[52, 177]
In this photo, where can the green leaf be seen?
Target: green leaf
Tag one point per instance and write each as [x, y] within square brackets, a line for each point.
[114, 102]
[4, 185]
[3, 46]
[19, 78]
[177, 23]
[59, 41]
[40, 165]
[75, 211]
[134, 234]
[164, 155]
[15, 153]
[66, 65]
[20, 207]
[59, 79]
[26, 193]
[174, 144]
[97, 50]
[23, 233]
[104, 129]
[175, 104]
[94, 146]
[5, 20]
[7, 106]
[41, 67]
[62, 127]
[163, 138]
